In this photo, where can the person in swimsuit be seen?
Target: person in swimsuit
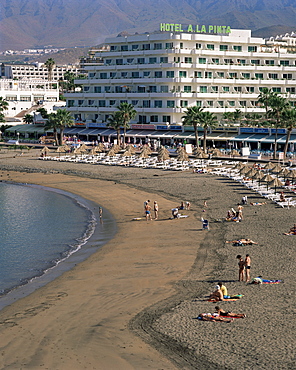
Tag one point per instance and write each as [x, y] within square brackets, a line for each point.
[241, 267]
[155, 210]
[229, 314]
[217, 294]
[247, 267]
[148, 212]
[212, 317]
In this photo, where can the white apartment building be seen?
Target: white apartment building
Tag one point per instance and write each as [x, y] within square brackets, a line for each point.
[24, 94]
[162, 74]
[35, 70]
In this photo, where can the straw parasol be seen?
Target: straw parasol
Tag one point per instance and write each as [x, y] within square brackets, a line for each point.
[234, 153]
[292, 175]
[277, 168]
[182, 155]
[201, 155]
[128, 152]
[163, 154]
[239, 165]
[61, 149]
[216, 153]
[116, 148]
[244, 170]
[45, 151]
[269, 166]
[100, 147]
[258, 176]
[111, 152]
[276, 183]
[145, 152]
[268, 178]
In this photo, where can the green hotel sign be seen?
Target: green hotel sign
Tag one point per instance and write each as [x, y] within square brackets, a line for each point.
[177, 27]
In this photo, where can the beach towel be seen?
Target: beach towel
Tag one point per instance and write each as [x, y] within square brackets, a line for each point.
[231, 298]
[259, 280]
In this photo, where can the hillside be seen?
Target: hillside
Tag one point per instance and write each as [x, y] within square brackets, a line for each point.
[69, 23]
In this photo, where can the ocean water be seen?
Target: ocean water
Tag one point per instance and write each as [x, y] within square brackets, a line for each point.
[40, 229]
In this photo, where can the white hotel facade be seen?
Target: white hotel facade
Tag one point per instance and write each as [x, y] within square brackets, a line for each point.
[164, 73]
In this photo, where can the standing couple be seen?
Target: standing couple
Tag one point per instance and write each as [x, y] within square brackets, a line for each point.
[147, 209]
[244, 266]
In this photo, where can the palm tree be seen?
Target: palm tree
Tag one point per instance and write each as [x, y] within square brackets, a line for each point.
[278, 105]
[64, 119]
[228, 116]
[49, 64]
[264, 98]
[43, 112]
[115, 121]
[207, 120]
[289, 117]
[128, 113]
[191, 118]
[52, 123]
[3, 106]
[237, 115]
[28, 118]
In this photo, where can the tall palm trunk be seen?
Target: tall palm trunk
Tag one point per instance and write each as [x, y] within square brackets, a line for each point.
[196, 135]
[287, 141]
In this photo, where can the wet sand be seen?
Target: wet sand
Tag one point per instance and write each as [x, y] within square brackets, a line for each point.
[132, 304]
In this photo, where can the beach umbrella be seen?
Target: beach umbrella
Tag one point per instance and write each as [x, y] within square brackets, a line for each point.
[201, 155]
[93, 151]
[147, 149]
[268, 178]
[143, 154]
[163, 154]
[100, 147]
[197, 151]
[276, 183]
[244, 170]
[61, 149]
[111, 152]
[127, 152]
[269, 166]
[292, 175]
[216, 153]
[284, 172]
[250, 173]
[277, 168]
[258, 176]
[234, 153]
[45, 151]
[182, 155]
[116, 148]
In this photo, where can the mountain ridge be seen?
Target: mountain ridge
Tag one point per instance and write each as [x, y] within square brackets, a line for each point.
[68, 23]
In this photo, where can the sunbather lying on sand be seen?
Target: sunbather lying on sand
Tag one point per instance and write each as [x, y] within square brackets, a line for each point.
[212, 317]
[258, 203]
[292, 231]
[229, 314]
[242, 241]
[259, 280]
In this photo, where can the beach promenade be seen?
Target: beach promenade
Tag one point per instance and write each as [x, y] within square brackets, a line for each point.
[133, 304]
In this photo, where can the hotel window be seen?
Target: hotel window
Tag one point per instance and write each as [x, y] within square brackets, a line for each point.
[215, 60]
[124, 74]
[269, 62]
[135, 74]
[113, 48]
[107, 89]
[157, 46]
[103, 75]
[181, 45]
[177, 59]
[210, 103]
[97, 89]
[220, 74]
[208, 74]
[197, 74]
[158, 74]
[202, 60]
[141, 60]
[153, 118]
[86, 88]
[163, 59]
[273, 76]
[237, 48]
[91, 75]
[112, 74]
[119, 61]
[290, 90]
[164, 89]
[246, 75]
[215, 89]
[135, 102]
[135, 47]
[225, 88]
[118, 89]
[112, 102]
[287, 76]
[184, 103]
[166, 119]
[182, 74]
[277, 89]
[259, 76]
[70, 103]
[146, 103]
[169, 45]
[255, 62]
[188, 60]
[187, 89]
[146, 47]
[243, 103]
[252, 49]
[228, 61]
[199, 103]
[170, 74]
[102, 103]
[233, 75]
[210, 46]
[158, 104]
[124, 48]
[152, 89]
[170, 104]
[146, 73]
[223, 47]
[197, 46]
[141, 89]
[231, 103]
[241, 61]
[27, 98]
[130, 60]
[152, 60]
[80, 102]
[203, 89]
[91, 102]
[250, 89]
[237, 88]
[284, 62]
[142, 119]
[221, 103]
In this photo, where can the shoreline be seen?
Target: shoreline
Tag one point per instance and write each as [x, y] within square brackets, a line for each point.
[178, 271]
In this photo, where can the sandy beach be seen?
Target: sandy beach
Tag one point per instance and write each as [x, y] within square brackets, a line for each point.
[133, 304]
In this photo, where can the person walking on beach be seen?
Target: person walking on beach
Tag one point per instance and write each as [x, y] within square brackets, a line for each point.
[239, 213]
[247, 267]
[241, 267]
[148, 212]
[155, 210]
